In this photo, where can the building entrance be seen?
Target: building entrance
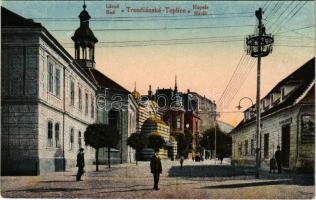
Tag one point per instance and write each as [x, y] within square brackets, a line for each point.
[285, 146]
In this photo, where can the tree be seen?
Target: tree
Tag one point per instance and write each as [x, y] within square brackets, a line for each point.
[155, 142]
[184, 142]
[223, 141]
[137, 141]
[99, 136]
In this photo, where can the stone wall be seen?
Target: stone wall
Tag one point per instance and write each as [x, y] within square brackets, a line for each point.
[19, 116]
[19, 147]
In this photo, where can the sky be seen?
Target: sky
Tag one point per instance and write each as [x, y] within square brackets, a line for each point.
[202, 51]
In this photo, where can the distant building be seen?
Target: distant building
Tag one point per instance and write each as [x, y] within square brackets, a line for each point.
[206, 111]
[287, 120]
[154, 125]
[149, 122]
[185, 112]
[225, 127]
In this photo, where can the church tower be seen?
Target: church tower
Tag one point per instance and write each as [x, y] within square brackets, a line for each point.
[85, 41]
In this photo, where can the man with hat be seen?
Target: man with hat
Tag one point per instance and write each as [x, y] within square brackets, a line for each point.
[80, 164]
[156, 169]
[278, 158]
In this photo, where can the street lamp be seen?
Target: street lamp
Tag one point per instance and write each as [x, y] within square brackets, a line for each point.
[259, 45]
[187, 126]
[239, 106]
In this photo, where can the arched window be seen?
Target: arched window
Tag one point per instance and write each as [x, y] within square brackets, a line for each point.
[57, 135]
[50, 134]
[71, 139]
[79, 139]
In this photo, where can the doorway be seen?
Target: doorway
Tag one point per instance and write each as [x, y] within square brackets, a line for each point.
[285, 146]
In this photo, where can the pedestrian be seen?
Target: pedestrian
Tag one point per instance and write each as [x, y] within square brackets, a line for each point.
[273, 165]
[156, 169]
[80, 164]
[181, 161]
[278, 158]
[221, 157]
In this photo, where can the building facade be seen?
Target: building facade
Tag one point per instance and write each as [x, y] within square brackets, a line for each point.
[288, 116]
[48, 99]
[149, 122]
[44, 113]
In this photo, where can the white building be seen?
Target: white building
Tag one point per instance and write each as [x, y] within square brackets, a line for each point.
[44, 112]
[49, 98]
[287, 120]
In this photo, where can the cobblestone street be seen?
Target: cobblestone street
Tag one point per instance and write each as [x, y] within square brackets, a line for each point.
[194, 180]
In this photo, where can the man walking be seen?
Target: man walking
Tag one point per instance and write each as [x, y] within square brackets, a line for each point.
[278, 158]
[156, 169]
[221, 157]
[181, 161]
[80, 164]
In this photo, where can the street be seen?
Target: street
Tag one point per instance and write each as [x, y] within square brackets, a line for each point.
[194, 180]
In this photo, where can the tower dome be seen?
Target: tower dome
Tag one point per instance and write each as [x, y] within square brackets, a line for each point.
[135, 93]
[85, 41]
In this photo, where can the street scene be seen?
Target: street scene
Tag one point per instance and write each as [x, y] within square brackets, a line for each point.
[125, 181]
[158, 99]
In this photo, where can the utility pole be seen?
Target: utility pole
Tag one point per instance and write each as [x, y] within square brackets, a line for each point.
[259, 45]
[215, 115]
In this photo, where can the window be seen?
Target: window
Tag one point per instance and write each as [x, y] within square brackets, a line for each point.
[308, 127]
[72, 93]
[178, 123]
[266, 146]
[252, 148]
[79, 139]
[271, 99]
[57, 82]
[57, 135]
[282, 93]
[87, 104]
[50, 134]
[240, 149]
[71, 139]
[80, 98]
[50, 77]
[246, 147]
[92, 106]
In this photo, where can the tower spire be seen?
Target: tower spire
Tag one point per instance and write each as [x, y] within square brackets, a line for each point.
[84, 41]
[150, 93]
[135, 86]
[175, 84]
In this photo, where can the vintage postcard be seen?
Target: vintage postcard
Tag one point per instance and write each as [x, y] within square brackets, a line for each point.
[157, 99]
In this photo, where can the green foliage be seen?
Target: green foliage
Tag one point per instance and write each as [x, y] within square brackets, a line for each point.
[101, 135]
[184, 142]
[137, 141]
[223, 141]
[155, 142]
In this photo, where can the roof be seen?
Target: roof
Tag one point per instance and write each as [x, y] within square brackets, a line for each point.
[9, 18]
[304, 75]
[103, 81]
[154, 120]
